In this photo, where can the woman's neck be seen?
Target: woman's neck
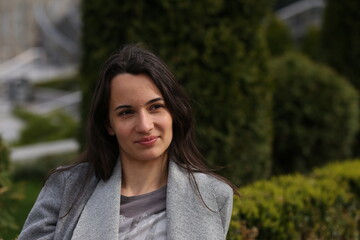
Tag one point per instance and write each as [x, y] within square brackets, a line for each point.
[140, 177]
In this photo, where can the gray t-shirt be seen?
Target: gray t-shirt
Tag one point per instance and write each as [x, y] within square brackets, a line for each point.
[144, 216]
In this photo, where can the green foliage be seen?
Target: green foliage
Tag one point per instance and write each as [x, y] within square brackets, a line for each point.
[67, 83]
[278, 36]
[311, 45]
[324, 205]
[31, 189]
[8, 194]
[283, 3]
[341, 38]
[29, 177]
[4, 156]
[340, 41]
[315, 114]
[216, 49]
[38, 169]
[41, 128]
[343, 173]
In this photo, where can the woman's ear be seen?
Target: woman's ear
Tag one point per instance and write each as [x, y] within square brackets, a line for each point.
[109, 129]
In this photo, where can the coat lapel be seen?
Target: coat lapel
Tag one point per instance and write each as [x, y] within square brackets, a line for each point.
[185, 212]
[187, 217]
[100, 217]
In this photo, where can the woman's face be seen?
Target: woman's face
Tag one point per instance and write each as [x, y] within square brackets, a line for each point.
[139, 118]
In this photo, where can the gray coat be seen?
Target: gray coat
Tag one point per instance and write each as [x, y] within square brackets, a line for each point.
[96, 214]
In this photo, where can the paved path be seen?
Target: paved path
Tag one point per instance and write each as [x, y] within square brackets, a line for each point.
[34, 151]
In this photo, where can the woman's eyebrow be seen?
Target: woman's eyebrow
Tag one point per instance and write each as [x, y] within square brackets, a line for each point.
[147, 103]
[154, 100]
[122, 106]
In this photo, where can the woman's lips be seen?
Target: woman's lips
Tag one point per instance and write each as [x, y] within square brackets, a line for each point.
[147, 140]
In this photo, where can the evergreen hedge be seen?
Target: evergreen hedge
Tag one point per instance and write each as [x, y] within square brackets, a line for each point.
[324, 205]
[340, 38]
[340, 41]
[278, 36]
[315, 114]
[311, 45]
[216, 49]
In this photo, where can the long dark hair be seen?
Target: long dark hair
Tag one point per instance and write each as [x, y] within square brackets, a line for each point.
[102, 148]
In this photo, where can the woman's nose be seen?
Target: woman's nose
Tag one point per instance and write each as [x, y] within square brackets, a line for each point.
[144, 123]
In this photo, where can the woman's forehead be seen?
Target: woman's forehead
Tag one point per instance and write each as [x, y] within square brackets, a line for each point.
[129, 88]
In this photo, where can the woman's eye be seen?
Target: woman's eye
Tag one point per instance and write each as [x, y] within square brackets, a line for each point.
[126, 112]
[156, 106]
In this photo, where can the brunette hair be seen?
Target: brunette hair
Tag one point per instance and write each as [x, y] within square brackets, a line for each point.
[102, 148]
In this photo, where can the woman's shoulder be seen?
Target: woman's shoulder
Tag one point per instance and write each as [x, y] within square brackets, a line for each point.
[70, 173]
[211, 183]
[71, 180]
[216, 193]
[77, 168]
[207, 182]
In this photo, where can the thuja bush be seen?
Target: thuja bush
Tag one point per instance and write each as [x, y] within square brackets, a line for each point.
[315, 114]
[340, 42]
[340, 38]
[311, 45]
[216, 50]
[278, 36]
[323, 205]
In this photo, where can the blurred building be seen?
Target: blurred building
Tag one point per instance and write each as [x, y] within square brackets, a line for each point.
[39, 40]
[18, 30]
[301, 15]
[53, 25]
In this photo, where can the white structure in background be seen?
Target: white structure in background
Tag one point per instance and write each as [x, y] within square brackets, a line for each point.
[18, 30]
[40, 40]
[39, 150]
[52, 24]
[302, 14]
[9, 126]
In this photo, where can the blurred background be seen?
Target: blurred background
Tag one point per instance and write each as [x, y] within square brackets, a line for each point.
[275, 90]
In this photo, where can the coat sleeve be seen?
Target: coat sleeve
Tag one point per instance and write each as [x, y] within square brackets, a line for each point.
[42, 219]
[226, 209]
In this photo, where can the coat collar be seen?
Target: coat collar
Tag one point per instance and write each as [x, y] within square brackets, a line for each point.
[100, 216]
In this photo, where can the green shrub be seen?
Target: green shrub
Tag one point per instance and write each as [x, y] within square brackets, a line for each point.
[4, 156]
[301, 207]
[24, 181]
[340, 42]
[311, 45]
[316, 114]
[345, 173]
[282, 3]
[30, 192]
[216, 49]
[50, 127]
[9, 194]
[71, 83]
[278, 36]
[38, 169]
[340, 38]
[29, 176]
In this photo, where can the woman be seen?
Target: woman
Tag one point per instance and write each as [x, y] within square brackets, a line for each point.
[141, 175]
